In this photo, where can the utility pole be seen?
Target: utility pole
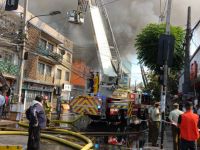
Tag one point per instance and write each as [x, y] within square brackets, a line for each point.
[186, 84]
[164, 86]
[23, 47]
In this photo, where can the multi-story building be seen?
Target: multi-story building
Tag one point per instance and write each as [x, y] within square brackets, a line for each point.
[194, 74]
[9, 61]
[48, 63]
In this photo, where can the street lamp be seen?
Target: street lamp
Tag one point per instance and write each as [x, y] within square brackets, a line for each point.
[53, 13]
[23, 38]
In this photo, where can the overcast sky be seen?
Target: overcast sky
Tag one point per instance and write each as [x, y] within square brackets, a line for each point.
[127, 17]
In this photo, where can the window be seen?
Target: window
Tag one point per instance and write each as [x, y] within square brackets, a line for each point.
[1, 57]
[67, 76]
[68, 57]
[8, 57]
[42, 44]
[61, 52]
[50, 47]
[41, 68]
[48, 70]
[59, 73]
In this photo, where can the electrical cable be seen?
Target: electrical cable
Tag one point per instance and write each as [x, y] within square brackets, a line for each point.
[104, 4]
[194, 43]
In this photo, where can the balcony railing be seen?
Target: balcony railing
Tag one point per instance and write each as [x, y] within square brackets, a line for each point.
[51, 54]
[9, 68]
[45, 78]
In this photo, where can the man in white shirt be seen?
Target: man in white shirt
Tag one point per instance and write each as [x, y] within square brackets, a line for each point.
[156, 118]
[2, 102]
[173, 117]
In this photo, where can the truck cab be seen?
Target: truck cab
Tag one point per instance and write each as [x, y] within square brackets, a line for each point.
[119, 104]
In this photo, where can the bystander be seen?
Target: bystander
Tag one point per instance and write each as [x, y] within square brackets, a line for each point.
[188, 124]
[37, 121]
[2, 102]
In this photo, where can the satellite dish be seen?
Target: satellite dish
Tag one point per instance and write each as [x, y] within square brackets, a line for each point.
[75, 16]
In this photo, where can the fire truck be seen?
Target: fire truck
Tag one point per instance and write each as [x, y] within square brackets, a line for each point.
[120, 102]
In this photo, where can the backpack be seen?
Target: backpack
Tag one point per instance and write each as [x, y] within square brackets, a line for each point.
[31, 115]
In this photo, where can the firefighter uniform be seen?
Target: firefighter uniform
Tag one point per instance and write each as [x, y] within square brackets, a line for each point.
[47, 109]
[156, 117]
[173, 117]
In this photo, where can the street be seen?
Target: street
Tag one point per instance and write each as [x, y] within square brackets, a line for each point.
[99, 74]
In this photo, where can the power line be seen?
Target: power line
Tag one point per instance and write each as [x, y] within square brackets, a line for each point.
[109, 3]
[194, 43]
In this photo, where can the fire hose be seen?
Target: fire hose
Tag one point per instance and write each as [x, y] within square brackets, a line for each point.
[88, 146]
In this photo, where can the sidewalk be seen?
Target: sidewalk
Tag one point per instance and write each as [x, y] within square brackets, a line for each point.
[168, 141]
[7, 122]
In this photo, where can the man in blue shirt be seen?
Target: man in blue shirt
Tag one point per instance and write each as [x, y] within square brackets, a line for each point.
[37, 121]
[2, 102]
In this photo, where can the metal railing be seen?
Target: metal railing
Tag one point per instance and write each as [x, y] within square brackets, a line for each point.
[9, 68]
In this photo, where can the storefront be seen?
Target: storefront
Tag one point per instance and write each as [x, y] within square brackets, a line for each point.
[31, 90]
[195, 73]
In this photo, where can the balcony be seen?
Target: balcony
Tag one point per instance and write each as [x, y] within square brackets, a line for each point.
[9, 68]
[45, 78]
[55, 56]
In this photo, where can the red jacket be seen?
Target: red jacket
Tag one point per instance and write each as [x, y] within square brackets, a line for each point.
[188, 123]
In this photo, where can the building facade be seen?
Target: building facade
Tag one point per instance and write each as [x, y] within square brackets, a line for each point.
[48, 61]
[194, 74]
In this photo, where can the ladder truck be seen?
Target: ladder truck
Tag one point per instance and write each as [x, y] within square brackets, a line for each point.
[111, 100]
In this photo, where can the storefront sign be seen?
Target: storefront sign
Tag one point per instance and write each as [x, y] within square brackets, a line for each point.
[38, 87]
[193, 70]
[67, 87]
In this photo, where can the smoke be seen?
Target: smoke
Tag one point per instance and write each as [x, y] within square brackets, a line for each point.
[127, 18]
[81, 35]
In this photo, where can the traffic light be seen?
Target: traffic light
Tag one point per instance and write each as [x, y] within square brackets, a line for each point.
[166, 50]
[11, 5]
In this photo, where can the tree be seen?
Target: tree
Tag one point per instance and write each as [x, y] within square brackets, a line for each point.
[153, 85]
[146, 44]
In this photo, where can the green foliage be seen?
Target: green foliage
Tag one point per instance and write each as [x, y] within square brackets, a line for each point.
[146, 44]
[153, 85]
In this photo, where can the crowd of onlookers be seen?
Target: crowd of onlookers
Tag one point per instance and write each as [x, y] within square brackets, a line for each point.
[184, 122]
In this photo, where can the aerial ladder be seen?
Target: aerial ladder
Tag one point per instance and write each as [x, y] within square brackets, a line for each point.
[108, 56]
[144, 78]
[107, 49]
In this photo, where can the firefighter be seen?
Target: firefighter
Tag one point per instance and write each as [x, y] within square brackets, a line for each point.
[47, 108]
[156, 118]
[150, 110]
[173, 117]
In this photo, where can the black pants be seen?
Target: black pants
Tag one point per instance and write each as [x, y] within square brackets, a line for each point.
[34, 138]
[188, 145]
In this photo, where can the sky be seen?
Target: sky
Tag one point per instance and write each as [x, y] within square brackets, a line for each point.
[127, 18]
